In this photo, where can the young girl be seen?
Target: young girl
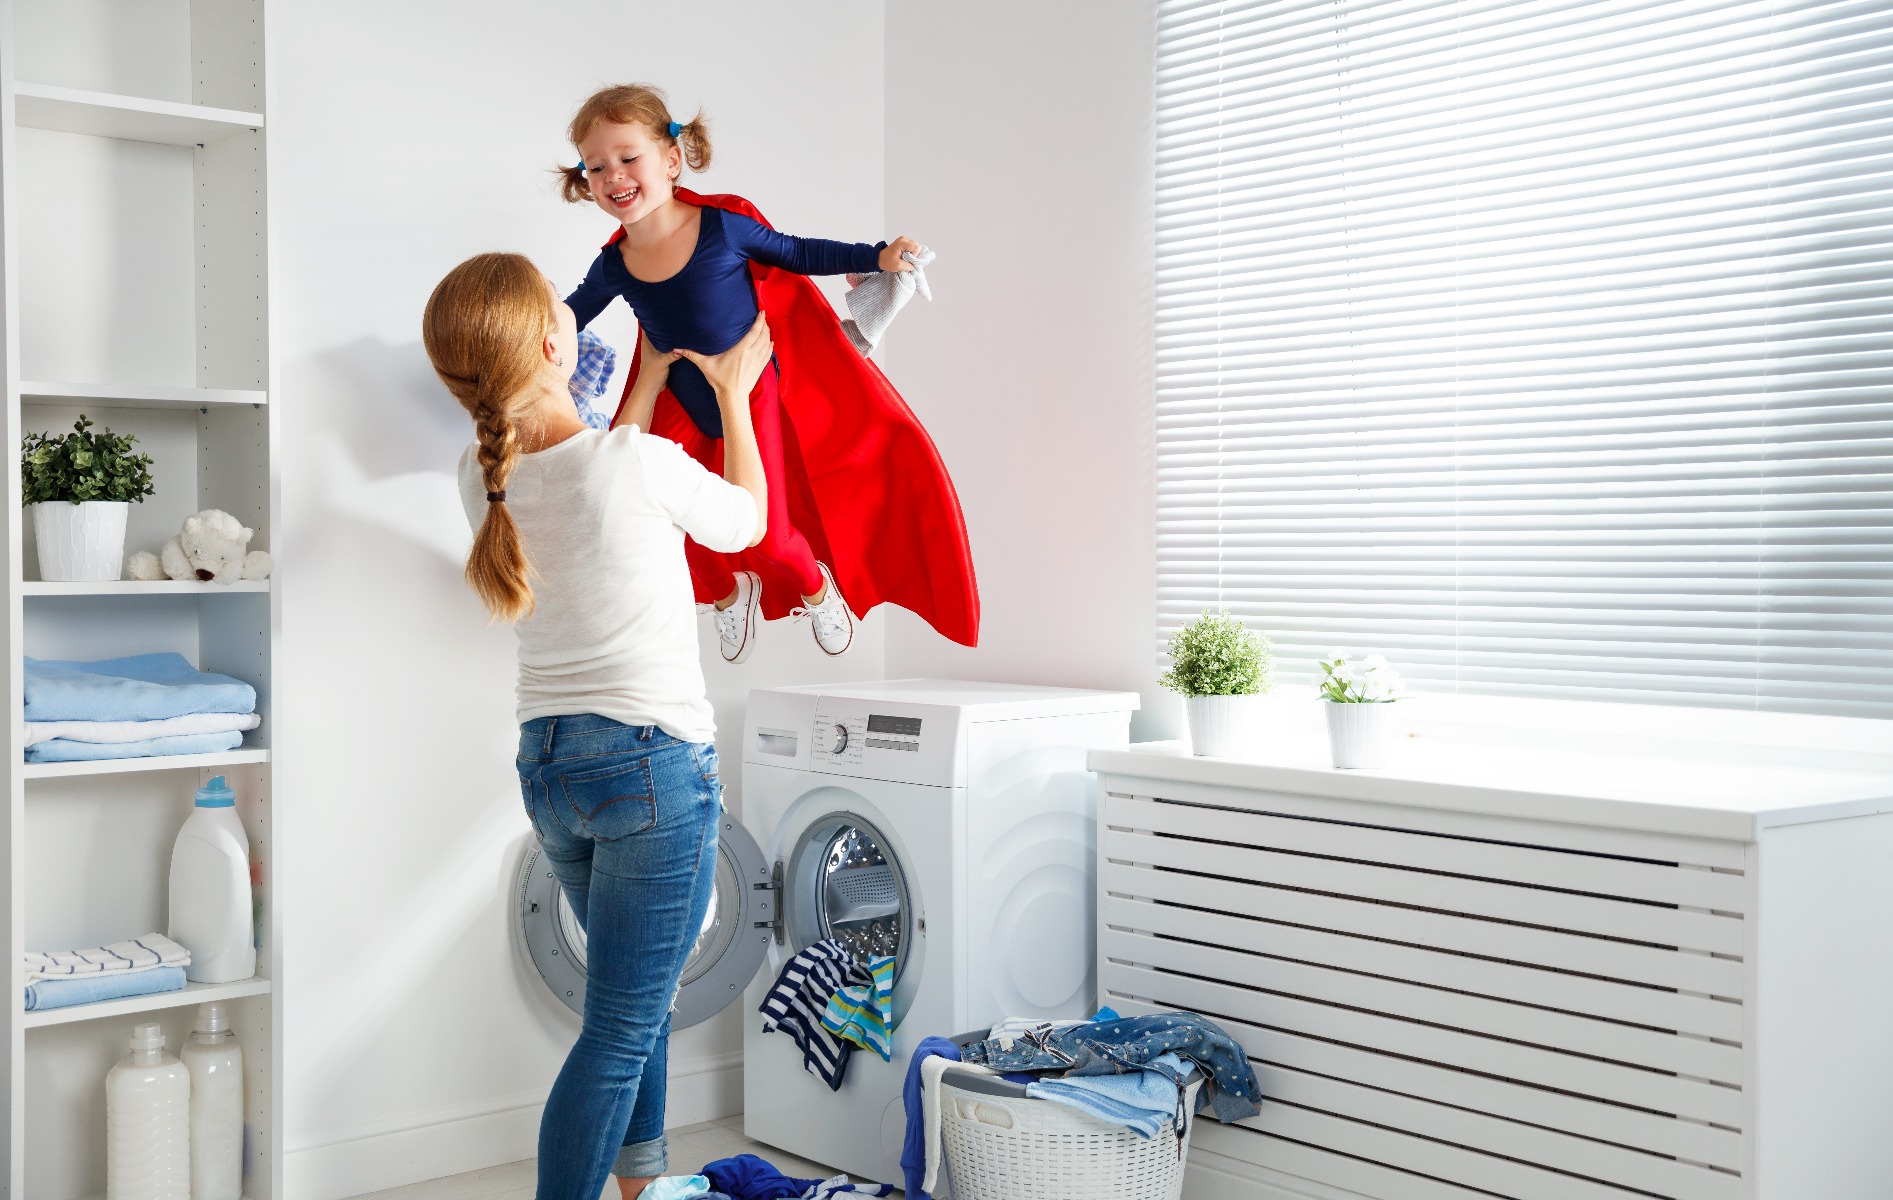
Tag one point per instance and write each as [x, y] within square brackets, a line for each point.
[859, 502]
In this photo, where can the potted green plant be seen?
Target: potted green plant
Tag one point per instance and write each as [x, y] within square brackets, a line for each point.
[80, 487]
[1221, 670]
[1358, 694]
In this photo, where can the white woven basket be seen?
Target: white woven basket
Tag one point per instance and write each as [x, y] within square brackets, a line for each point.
[1005, 1149]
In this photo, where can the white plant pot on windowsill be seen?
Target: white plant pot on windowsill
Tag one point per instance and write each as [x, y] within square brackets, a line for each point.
[1223, 726]
[82, 542]
[1360, 735]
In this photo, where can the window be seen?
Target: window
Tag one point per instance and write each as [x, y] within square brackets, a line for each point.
[1546, 348]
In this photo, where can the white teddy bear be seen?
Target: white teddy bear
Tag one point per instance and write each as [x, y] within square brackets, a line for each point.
[211, 546]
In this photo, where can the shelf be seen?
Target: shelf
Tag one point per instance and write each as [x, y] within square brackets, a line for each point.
[123, 766]
[193, 993]
[133, 118]
[123, 395]
[139, 587]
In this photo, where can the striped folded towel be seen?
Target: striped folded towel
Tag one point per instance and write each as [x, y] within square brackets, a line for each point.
[146, 953]
[864, 1012]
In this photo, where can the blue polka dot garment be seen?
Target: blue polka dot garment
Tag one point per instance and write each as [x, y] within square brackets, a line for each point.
[1134, 1044]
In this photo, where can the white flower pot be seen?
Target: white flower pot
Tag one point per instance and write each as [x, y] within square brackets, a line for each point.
[80, 542]
[1223, 726]
[1360, 735]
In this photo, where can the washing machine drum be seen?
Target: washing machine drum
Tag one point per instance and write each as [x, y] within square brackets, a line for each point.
[730, 947]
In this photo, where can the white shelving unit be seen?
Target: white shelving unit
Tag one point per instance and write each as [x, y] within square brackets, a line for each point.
[135, 289]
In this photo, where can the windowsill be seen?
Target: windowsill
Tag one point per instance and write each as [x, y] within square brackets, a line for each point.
[1693, 772]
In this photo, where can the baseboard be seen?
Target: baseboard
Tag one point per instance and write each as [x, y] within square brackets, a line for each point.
[455, 1139]
[1213, 1176]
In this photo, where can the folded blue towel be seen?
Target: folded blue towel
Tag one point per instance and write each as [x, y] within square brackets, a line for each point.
[113, 985]
[67, 750]
[1141, 1101]
[145, 687]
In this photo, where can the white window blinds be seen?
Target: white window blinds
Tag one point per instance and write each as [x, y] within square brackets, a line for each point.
[1543, 346]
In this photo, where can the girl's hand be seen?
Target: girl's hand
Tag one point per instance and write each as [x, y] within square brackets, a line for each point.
[891, 259]
[734, 372]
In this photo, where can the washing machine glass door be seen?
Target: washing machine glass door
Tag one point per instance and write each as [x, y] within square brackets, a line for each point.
[844, 881]
[730, 947]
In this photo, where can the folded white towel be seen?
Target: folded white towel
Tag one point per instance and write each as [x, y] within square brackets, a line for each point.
[138, 731]
[876, 299]
[146, 953]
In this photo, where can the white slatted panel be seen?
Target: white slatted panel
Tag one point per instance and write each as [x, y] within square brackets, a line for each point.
[1483, 1005]
[1545, 347]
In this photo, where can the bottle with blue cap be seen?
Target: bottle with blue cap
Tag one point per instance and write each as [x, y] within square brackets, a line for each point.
[211, 911]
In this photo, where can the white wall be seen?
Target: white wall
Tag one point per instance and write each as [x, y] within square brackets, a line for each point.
[1019, 141]
[404, 137]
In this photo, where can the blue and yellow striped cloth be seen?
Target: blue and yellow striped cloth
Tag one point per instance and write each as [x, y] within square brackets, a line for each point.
[863, 1013]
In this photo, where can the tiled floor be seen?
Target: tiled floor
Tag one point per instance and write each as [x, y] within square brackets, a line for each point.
[690, 1148]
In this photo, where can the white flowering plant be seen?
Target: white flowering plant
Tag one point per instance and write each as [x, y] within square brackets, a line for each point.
[1367, 680]
[1216, 655]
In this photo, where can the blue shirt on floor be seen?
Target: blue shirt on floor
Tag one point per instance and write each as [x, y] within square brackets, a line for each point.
[710, 304]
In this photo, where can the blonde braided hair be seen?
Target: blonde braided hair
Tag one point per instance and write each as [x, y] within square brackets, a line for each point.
[483, 329]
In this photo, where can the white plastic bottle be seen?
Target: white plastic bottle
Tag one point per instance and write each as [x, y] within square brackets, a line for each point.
[211, 913]
[148, 1123]
[216, 1066]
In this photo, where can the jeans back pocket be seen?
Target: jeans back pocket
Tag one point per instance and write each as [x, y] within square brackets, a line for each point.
[611, 801]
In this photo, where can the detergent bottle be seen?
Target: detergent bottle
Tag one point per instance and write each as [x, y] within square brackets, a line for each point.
[211, 911]
[216, 1066]
[148, 1123]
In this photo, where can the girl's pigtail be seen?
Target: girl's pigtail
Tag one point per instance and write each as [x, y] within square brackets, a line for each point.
[574, 187]
[695, 140]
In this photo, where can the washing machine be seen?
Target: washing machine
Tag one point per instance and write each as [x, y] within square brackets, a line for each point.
[947, 823]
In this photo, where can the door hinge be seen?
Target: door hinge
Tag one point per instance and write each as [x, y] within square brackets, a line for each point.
[774, 886]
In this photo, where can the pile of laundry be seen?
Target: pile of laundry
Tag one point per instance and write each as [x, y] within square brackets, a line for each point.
[143, 966]
[830, 1001]
[140, 707]
[1129, 1071]
[747, 1177]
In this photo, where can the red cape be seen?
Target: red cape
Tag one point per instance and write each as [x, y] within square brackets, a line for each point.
[866, 484]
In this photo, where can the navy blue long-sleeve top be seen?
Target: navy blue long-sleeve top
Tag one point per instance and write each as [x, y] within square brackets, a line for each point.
[710, 304]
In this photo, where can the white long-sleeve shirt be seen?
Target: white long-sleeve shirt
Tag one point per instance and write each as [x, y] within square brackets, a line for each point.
[602, 518]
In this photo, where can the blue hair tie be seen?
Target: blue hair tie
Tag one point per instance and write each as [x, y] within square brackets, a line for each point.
[675, 129]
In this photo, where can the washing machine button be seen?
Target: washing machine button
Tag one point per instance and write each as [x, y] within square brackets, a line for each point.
[841, 739]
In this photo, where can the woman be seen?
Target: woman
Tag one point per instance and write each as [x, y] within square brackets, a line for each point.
[581, 545]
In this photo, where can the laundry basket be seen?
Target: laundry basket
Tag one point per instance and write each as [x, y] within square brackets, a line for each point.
[1001, 1144]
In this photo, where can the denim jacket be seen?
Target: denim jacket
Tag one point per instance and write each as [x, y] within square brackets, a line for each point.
[1134, 1044]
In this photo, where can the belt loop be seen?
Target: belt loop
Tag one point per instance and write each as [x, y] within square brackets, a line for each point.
[644, 732]
[552, 728]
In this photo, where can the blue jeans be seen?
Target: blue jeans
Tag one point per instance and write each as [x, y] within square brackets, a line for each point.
[626, 816]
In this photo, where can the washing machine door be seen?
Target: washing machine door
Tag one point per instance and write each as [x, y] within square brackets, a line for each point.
[733, 942]
[843, 879]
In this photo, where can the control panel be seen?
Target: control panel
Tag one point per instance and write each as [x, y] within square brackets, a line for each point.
[840, 734]
[893, 733]
[843, 733]
[864, 737]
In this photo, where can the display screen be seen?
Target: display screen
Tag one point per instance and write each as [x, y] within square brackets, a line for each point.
[905, 726]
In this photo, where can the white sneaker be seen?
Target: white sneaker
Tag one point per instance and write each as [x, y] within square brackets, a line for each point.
[736, 625]
[834, 624]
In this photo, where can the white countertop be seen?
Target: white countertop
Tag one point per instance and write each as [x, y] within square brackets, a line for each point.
[1693, 789]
